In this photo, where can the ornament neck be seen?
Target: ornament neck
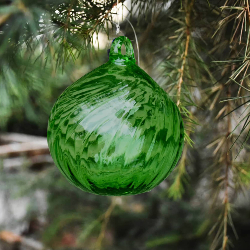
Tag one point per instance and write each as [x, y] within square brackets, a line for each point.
[115, 55]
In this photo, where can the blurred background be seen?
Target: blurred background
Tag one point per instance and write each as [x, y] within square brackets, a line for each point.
[198, 51]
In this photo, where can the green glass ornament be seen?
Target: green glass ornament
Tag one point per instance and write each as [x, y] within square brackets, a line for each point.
[115, 131]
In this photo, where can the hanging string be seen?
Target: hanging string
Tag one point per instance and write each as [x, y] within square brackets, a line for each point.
[118, 31]
[137, 44]
[118, 22]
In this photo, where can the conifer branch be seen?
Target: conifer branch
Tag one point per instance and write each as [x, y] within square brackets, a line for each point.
[189, 7]
[105, 16]
[4, 18]
[226, 178]
[184, 79]
[107, 215]
[176, 190]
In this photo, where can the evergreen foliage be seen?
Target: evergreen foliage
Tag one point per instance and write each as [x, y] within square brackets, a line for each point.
[198, 51]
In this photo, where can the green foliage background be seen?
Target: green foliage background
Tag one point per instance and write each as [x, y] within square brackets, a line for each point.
[198, 51]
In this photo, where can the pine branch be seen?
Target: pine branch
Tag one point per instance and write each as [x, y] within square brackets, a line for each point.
[188, 34]
[105, 16]
[221, 177]
[177, 189]
[4, 18]
[226, 178]
[240, 48]
[107, 215]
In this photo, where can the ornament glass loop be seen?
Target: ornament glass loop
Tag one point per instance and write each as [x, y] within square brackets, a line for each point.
[115, 54]
[115, 131]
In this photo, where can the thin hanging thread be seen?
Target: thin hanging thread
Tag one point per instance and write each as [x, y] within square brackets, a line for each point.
[118, 31]
[118, 22]
[137, 44]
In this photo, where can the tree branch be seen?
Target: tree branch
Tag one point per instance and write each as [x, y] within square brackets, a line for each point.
[105, 16]
[226, 180]
[105, 222]
[188, 33]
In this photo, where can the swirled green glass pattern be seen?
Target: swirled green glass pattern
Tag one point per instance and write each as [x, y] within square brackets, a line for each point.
[115, 131]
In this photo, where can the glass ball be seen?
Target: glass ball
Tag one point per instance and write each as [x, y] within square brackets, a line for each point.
[115, 131]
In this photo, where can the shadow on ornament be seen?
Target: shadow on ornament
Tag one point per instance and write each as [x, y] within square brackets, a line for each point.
[115, 131]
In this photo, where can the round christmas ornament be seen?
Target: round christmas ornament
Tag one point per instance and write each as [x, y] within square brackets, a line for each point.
[115, 131]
